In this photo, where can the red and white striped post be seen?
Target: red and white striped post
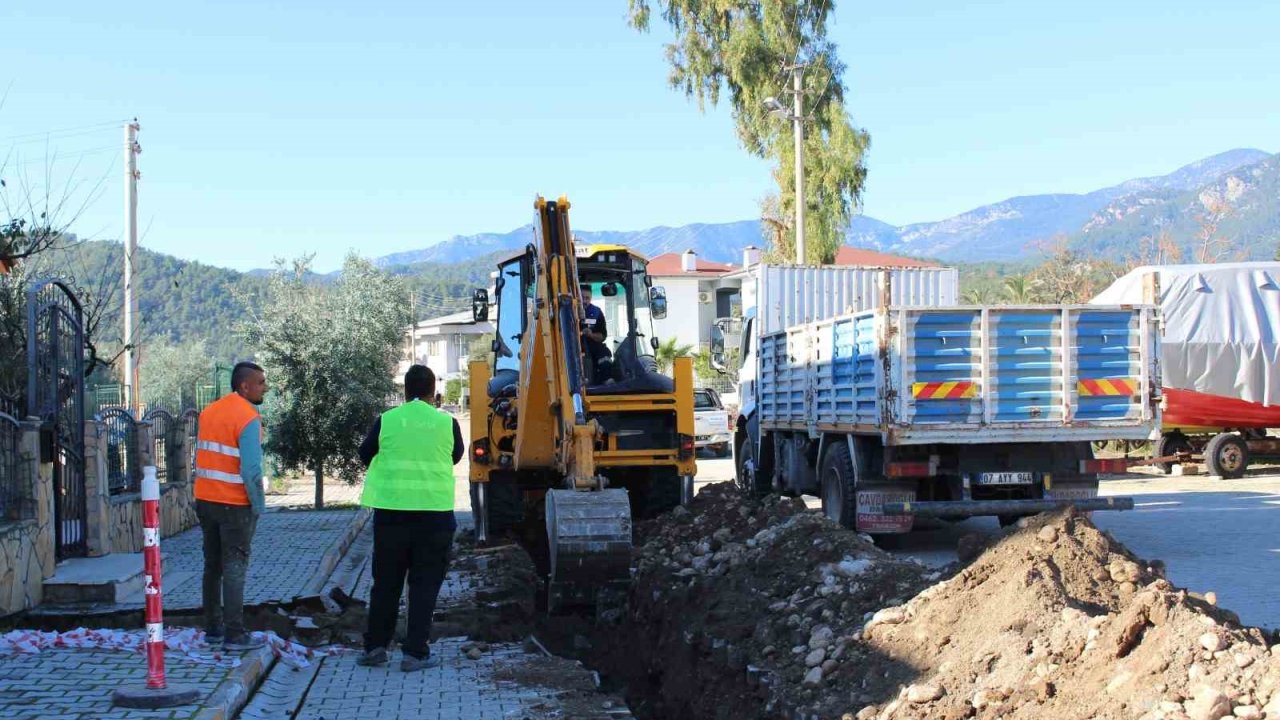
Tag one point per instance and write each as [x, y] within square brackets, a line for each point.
[157, 693]
[153, 614]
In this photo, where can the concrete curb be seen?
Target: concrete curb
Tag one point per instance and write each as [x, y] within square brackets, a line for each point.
[334, 554]
[233, 693]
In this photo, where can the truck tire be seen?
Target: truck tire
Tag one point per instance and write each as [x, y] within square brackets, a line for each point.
[748, 473]
[1227, 456]
[1170, 444]
[839, 486]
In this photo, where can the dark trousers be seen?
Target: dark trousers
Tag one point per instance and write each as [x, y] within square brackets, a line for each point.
[227, 531]
[416, 544]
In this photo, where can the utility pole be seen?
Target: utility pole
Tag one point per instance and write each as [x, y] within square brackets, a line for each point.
[131, 150]
[797, 120]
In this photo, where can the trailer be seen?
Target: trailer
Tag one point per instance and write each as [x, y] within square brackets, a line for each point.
[917, 407]
[1221, 361]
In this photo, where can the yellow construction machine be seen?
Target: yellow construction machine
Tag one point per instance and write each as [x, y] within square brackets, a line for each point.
[572, 437]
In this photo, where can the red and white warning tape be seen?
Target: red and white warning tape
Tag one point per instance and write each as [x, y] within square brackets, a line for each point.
[187, 644]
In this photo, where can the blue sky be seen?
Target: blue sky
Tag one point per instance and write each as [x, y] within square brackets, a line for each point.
[274, 129]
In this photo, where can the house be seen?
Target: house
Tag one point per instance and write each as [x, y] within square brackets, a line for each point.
[715, 288]
[442, 344]
[691, 283]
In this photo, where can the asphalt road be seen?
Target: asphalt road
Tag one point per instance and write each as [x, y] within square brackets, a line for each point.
[1212, 534]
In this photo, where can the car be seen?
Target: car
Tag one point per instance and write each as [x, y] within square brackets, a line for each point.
[711, 422]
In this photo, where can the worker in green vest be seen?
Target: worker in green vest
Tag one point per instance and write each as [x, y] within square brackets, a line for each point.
[410, 452]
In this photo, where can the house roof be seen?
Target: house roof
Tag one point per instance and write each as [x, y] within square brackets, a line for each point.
[668, 265]
[848, 255]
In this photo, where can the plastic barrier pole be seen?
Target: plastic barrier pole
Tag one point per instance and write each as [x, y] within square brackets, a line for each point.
[156, 693]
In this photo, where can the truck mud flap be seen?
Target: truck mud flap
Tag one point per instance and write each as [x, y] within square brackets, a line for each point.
[872, 501]
[974, 508]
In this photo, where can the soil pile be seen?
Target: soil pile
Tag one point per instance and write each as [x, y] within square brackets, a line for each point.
[761, 608]
[1059, 620]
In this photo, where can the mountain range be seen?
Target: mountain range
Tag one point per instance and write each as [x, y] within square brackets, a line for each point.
[1108, 220]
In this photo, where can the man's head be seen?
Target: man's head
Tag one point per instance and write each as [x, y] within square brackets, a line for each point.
[419, 383]
[249, 381]
[586, 294]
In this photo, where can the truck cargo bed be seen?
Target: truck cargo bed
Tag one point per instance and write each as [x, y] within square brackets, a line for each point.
[968, 374]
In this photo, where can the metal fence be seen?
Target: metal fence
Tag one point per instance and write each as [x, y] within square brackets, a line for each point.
[164, 441]
[123, 473]
[14, 480]
[191, 427]
[721, 383]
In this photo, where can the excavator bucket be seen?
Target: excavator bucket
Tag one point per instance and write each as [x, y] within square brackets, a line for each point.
[589, 534]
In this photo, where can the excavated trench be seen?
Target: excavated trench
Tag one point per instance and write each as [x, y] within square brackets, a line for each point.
[763, 609]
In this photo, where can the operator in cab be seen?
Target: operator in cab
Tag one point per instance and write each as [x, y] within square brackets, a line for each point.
[594, 333]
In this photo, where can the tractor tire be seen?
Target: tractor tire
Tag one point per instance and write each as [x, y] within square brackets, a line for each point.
[1227, 456]
[659, 494]
[1170, 444]
[838, 482]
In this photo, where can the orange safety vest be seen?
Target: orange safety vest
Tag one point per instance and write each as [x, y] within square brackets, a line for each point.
[218, 452]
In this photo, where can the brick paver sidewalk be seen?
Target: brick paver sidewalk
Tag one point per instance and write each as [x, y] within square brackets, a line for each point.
[287, 549]
[459, 689]
[67, 684]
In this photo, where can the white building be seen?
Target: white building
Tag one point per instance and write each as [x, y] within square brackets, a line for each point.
[442, 344]
[695, 296]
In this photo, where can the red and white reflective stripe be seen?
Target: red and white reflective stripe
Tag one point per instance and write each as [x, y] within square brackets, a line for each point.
[1090, 467]
[153, 614]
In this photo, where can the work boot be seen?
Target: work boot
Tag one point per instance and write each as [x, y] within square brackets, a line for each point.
[376, 657]
[214, 637]
[410, 663]
[243, 642]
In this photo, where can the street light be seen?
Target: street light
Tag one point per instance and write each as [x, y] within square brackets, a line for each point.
[778, 110]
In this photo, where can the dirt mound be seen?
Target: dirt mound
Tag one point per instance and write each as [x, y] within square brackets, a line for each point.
[1059, 620]
[746, 608]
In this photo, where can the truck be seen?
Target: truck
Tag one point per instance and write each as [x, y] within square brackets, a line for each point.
[710, 422]
[872, 389]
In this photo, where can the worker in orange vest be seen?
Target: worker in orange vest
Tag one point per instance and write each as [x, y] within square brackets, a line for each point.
[229, 499]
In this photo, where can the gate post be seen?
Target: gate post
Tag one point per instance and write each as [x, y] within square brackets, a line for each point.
[41, 497]
[97, 490]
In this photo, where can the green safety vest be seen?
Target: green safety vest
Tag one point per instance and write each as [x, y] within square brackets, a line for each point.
[413, 469]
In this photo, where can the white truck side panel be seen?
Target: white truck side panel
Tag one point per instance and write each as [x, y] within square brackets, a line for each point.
[790, 295]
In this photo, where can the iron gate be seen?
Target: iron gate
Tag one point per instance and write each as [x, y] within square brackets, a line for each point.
[55, 394]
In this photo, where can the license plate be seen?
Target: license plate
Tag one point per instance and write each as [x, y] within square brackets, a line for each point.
[1006, 478]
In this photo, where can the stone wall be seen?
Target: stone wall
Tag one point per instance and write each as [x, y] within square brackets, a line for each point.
[26, 546]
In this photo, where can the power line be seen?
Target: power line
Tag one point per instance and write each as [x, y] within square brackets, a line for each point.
[61, 158]
[47, 133]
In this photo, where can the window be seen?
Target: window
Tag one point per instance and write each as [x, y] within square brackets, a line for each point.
[705, 400]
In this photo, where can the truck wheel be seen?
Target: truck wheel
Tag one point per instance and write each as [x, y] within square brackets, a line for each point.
[1171, 444]
[722, 450]
[748, 472]
[1227, 456]
[839, 498]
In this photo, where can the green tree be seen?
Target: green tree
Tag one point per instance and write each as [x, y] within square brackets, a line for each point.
[1018, 290]
[171, 372]
[330, 354]
[745, 48]
[668, 351]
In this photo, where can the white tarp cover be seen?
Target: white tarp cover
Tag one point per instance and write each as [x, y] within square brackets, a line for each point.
[1222, 326]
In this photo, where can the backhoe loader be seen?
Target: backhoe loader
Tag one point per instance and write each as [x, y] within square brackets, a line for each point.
[573, 438]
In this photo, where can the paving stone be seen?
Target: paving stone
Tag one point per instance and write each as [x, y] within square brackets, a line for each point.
[68, 684]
